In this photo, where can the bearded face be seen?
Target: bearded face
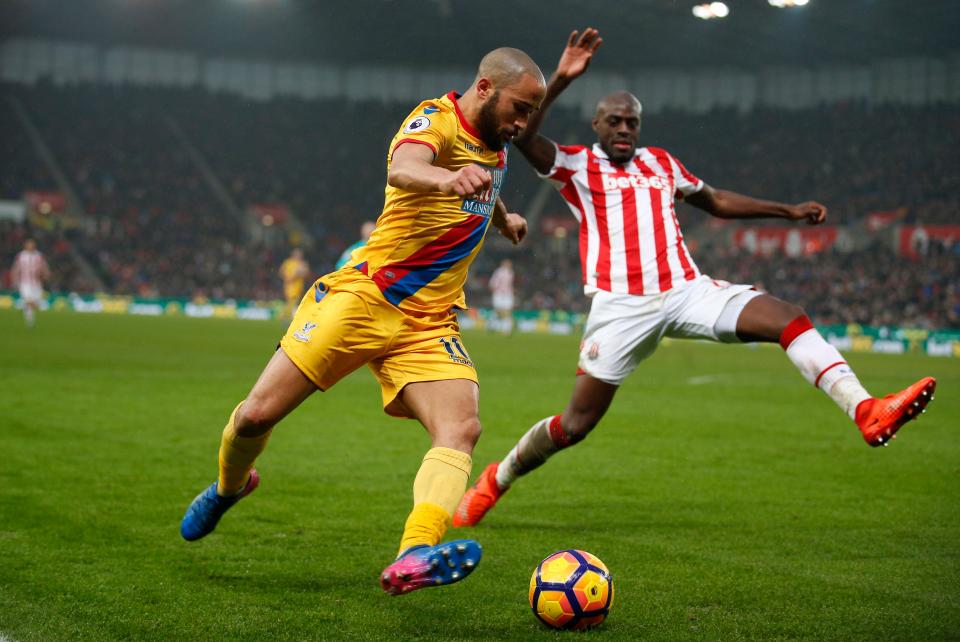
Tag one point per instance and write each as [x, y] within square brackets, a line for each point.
[493, 132]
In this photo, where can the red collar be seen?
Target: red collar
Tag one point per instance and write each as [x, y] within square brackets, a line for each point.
[463, 121]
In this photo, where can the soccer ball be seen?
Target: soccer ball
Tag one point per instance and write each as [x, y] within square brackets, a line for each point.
[571, 590]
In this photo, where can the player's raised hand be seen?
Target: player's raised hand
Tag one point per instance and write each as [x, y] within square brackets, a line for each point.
[514, 228]
[810, 211]
[578, 53]
[467, 181]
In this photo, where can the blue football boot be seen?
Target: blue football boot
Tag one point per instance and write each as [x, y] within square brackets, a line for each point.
[206, 510]
[422, 566]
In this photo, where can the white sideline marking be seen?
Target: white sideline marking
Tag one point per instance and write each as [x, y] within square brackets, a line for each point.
[699, 381]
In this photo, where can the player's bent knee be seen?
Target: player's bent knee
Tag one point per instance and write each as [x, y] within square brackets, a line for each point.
[459, 435]
[470, 430]
[253, 419]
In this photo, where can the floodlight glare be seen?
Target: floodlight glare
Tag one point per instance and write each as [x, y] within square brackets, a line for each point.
[708, 11]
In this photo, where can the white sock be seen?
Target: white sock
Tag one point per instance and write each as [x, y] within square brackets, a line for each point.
[29, 316]
[822, 365]
[533, 449]
[506, 473]
[848, 393]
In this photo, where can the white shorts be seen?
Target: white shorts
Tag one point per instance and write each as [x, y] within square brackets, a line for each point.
[624, 329]
[31, 292]
[502, 302]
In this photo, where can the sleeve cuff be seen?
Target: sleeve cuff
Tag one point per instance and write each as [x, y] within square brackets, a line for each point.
[414, 140]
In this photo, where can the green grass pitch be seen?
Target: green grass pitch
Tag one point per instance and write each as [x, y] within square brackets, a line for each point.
[729, 498]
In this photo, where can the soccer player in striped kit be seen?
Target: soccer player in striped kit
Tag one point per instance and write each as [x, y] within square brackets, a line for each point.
[501, 286]
[645, 285]
[29, 271]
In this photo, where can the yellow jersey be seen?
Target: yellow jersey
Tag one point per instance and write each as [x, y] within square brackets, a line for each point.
[424, 242]
[294, 272]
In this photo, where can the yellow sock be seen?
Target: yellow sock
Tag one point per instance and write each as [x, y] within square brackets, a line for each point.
[237, 455]
[426, 524]
[440, 483]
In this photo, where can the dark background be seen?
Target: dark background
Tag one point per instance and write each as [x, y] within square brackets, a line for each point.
[637, 32]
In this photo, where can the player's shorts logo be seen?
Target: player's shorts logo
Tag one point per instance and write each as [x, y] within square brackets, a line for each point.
[723, 285]
[418, 124]
[594, 351]
[303, 334]
[456, 352]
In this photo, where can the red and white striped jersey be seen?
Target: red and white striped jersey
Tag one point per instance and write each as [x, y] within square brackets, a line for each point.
[630, 240]
[30, 269]
[501, 281]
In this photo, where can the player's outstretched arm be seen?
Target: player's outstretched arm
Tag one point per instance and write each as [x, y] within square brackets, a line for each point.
[511, 225]
[725, 204]
[412, 169]
[538, 149]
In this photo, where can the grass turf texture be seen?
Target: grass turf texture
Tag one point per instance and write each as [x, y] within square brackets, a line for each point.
[730, 499]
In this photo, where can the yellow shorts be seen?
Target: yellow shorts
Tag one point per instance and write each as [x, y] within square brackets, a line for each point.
[344, 322]
[292, 292]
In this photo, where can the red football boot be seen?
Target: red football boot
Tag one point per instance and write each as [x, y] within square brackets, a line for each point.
[479, 498]
[880, 419]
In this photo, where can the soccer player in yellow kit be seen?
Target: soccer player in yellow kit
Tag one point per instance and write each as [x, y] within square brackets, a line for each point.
[392, 308]
[294, 271]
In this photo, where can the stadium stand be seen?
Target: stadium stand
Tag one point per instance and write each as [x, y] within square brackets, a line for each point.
[153, 226]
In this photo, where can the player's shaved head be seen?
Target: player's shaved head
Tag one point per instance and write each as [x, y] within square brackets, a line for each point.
[618, 100]
[506, 66]
[508, 88]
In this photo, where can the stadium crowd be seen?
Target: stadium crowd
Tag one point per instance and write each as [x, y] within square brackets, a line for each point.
[21, 169]
[872, 286]
[851, 157]
[153, 225]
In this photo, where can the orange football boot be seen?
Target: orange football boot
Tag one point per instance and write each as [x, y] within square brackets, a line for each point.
[479, 498]
[880, 419]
